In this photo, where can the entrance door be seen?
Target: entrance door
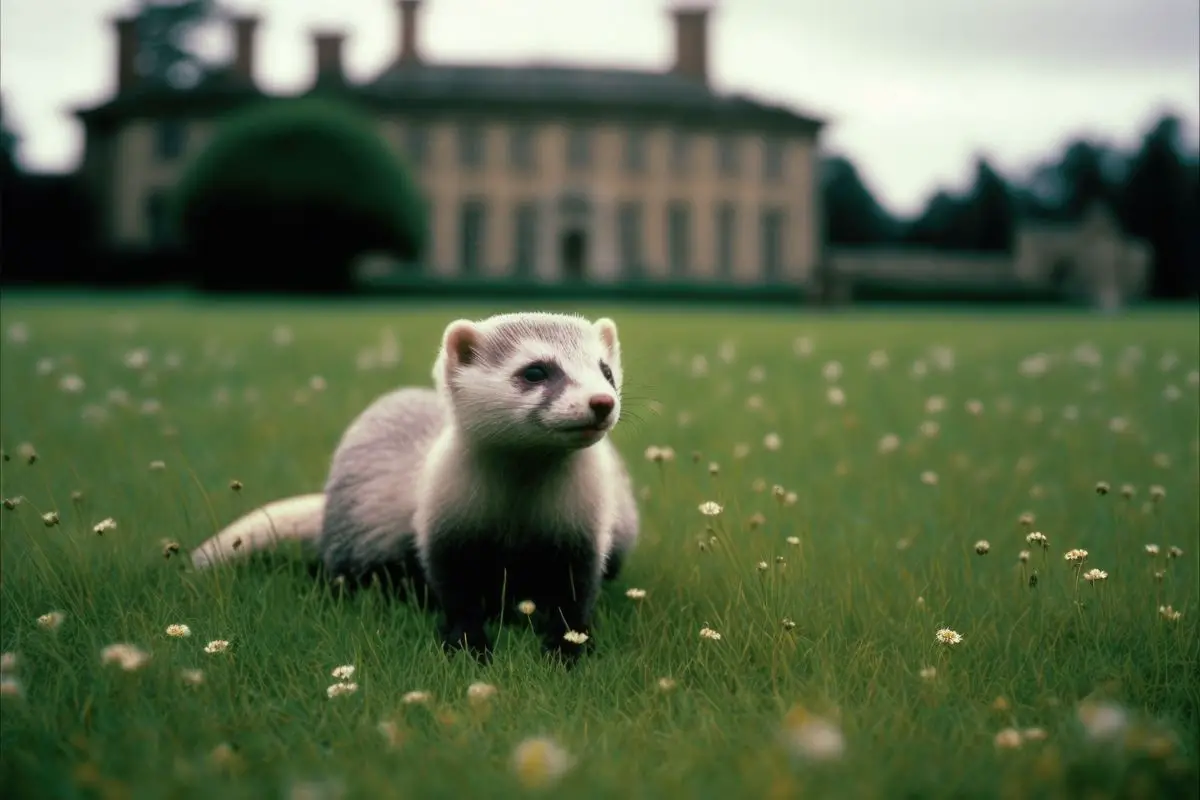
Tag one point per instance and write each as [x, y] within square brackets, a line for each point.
[574, 254]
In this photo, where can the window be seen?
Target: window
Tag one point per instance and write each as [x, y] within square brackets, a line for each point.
[522, 153]
[525, 239]
[635, 150]
[678, 235]
[471, 146]
[158, 223]
[681, 153]
[472, 229]
[771, 247]
[726, 226]
[772, 159]
[170, 139]
[579, 148]
[727, 156]
[416, 144]
[629, 231]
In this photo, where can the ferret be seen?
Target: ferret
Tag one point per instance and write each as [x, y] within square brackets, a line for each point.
[497, 486]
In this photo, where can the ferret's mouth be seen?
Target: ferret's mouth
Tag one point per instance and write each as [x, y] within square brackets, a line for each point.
[588, 427]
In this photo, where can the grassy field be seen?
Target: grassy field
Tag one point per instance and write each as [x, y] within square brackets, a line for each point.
[899, 441]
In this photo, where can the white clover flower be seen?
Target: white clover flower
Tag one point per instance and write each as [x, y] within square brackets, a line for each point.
[344, 672]
[104, 525]
[575, 637]
[1008, 739]
[947, 636]
[710, 508]
[178, 631]
[635, 594]
[540, 762]
[216, 646]
[128, 656]
[812, 738]
[194, 677]
[889, 443]
[51, 620]
[709, 633]
[1102, 720]
[480, 692]
[340, 689]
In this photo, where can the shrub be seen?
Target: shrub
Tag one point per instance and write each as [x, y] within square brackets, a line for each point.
[289, 192]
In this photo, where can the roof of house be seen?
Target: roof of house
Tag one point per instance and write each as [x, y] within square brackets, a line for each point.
[584, 88]
[535, 89]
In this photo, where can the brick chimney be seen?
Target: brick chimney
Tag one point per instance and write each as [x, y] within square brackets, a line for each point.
[691, 40]
[127, 53]
[245, 26]
[328, 45]
[409, 54]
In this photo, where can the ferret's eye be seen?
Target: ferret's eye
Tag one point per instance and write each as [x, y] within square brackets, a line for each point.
[535, 373]
[607, 373]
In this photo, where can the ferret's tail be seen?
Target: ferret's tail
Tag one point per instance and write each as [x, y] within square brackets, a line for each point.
[295, 518]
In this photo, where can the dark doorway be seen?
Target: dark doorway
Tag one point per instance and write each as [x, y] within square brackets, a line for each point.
[574, 254]
[1062, 276]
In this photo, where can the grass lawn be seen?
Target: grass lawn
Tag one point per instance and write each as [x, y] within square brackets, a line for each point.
[827, 679]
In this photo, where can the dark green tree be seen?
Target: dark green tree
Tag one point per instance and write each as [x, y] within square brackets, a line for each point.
[853, 217]
[166, 55]
[988, 218]
[1084, 179]
[1158, 203]
[939, 225]
[8, 145]
[289, 193]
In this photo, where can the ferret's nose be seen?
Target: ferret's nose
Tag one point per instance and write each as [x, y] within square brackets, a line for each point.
[602, 405]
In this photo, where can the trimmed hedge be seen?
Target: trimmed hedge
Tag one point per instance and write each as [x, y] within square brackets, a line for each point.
[289, 192]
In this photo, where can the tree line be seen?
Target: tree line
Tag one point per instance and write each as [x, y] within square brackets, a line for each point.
[46, 234]
[1153, 191]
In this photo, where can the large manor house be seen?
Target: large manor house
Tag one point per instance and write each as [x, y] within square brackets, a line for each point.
[552, 173]
[547, 171]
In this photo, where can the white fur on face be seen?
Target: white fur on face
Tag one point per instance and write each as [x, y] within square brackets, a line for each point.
[493, 405]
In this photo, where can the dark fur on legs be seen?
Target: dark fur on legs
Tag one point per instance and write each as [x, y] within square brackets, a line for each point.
[474, 576]
[402, 579]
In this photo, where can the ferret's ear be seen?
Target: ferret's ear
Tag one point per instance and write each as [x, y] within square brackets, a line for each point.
[460, 343]
[608, 335]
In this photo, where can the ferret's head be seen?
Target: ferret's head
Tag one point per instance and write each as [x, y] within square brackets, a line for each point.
[534, 380]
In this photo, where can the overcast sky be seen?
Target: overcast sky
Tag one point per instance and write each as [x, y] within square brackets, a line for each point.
[912, 90]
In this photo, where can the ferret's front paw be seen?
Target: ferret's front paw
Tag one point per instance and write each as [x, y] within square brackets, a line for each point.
[567, 650]
[473, 639]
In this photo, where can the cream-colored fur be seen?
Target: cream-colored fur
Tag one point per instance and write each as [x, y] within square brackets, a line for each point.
[292, 518]
[417, 456]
